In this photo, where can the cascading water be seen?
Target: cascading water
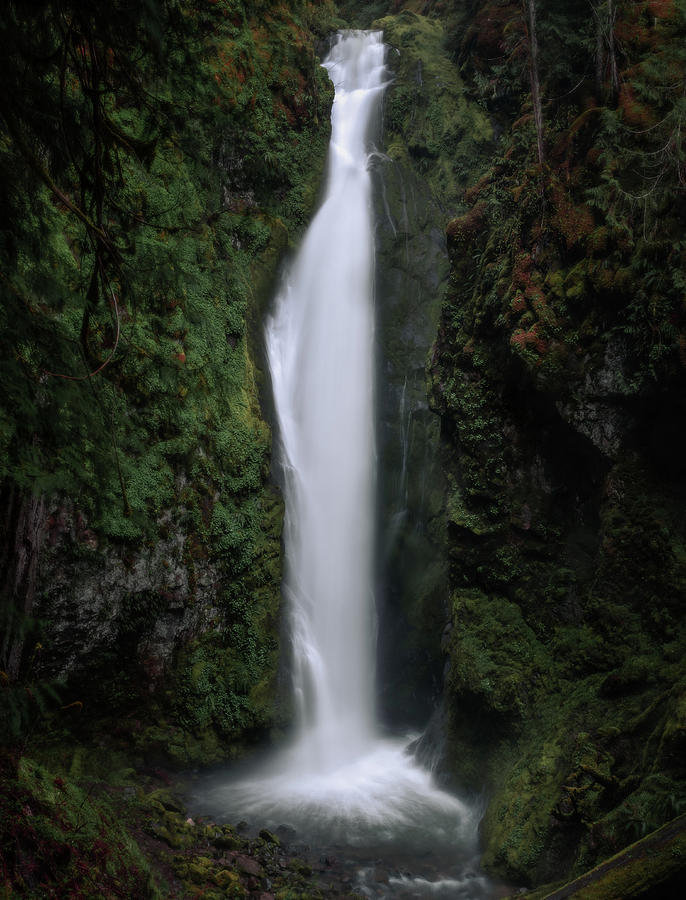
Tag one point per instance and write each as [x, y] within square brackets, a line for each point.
[321, 358]
[339, 781]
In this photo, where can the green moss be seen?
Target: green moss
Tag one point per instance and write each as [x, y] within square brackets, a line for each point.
[566, 549]
[495, 655]
[214, 182]
[430, 123]
[57, 837]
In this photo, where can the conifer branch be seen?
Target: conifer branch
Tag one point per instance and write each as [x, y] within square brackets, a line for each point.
[97, 233]
[109, 358]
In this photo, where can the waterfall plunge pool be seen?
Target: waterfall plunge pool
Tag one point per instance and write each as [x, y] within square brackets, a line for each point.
[376, 825]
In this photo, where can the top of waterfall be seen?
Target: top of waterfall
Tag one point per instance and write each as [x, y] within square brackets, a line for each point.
[351, 65]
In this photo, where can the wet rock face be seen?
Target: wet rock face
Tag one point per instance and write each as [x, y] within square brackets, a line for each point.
[412, 267]
[427, 124]
[162, 635]
[558, 372]
[566, 565]
[597, 406]
[109, 603]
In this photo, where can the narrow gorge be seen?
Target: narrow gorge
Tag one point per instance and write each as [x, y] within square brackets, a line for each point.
[473, 449]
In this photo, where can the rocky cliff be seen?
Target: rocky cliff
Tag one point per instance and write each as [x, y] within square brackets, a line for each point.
[430, 130]
[558, 372]
[155, 167]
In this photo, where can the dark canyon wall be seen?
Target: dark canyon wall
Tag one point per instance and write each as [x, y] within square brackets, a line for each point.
[559, 376]
[155, 166]
[430, 130]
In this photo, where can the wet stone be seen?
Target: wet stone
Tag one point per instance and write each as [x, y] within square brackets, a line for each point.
[248, 866]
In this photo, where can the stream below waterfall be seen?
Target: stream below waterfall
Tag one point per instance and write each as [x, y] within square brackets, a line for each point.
[377, 825]
[354, 802]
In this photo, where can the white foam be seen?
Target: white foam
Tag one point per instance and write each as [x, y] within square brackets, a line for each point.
[382, 796]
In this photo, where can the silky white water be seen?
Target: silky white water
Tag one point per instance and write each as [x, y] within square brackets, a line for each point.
[339, 781]
[320, 349]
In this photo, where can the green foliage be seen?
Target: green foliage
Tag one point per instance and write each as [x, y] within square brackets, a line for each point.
[154, 163]
[175, 149]
[429, 123]
[507, 672]
[565, 308]
[223, 679]
[56, 841]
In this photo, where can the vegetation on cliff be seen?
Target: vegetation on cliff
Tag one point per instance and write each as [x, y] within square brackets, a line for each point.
[559, 375]
[153, 163]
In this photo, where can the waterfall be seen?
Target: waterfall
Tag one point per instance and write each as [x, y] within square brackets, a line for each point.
[320, 350]
[340, 781]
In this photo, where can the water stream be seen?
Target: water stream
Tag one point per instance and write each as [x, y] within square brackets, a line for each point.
[340, 784]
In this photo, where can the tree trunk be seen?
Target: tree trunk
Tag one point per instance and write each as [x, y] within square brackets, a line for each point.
[535, 82]
[22, 532]
[606, 57]
[612, 58]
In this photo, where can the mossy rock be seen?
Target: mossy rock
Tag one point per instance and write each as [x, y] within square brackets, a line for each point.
[226, 879]
[227, 839]
[432, 124]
